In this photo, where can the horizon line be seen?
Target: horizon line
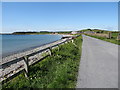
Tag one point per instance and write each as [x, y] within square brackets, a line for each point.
[55, 31]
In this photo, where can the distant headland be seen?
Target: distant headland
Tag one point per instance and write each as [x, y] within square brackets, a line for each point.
[58, 32]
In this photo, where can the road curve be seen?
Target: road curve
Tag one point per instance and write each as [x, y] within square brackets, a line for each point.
[98, 65]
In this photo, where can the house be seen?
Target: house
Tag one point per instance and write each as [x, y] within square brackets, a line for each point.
[74, 32]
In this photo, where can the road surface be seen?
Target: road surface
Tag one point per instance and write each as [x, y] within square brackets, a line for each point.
[98, 65]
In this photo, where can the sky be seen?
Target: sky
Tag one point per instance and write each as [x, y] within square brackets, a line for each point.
[58, 16]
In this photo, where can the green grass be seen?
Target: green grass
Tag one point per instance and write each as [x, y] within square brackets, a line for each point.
[112, 40]
[57, 71]
[114, 35]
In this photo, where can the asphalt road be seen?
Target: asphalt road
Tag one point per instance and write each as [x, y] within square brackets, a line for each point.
[98, 65]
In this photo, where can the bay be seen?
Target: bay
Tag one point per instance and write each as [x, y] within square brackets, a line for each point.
[16, 43]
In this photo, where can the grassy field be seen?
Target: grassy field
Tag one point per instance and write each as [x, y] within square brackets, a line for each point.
[112, 40]
[57, 71]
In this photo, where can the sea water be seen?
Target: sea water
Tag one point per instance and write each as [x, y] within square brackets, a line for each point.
[17, 43]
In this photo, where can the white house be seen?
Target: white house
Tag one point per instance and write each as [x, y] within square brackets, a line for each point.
[74, 32]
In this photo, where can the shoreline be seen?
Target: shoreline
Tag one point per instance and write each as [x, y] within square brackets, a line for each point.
[24, 50]
[35, 34]
[34, 47]
[9, 62]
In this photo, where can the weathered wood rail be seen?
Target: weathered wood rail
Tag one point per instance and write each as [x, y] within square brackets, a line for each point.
[13, 65]
[101, 35]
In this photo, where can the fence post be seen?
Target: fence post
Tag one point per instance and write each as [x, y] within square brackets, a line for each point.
[72, 41]
[26, 65]
[50, 51]
[109, 35]
[118, 37]
[66, 42]
[58, 48]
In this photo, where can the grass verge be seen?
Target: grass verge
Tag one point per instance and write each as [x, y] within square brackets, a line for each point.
[57, 71]
[112, 40]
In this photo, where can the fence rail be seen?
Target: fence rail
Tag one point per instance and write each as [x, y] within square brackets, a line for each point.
[108, 35]
[15, 64]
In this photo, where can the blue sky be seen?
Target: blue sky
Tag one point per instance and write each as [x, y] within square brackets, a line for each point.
[59, 16]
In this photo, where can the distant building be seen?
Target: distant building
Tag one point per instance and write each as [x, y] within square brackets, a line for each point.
[74, 32]
[89, 32]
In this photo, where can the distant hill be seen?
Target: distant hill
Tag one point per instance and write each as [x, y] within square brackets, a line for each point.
[97, 31]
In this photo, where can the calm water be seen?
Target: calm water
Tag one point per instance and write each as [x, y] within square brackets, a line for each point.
[16, 43]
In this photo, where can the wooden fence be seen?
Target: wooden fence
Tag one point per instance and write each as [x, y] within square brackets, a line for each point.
[13, 65]
[109, 35]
